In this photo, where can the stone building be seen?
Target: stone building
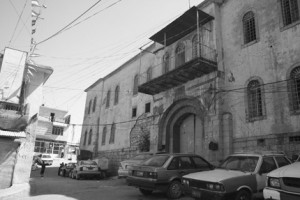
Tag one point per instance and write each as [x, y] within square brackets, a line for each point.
[21, 89]
[223, 77]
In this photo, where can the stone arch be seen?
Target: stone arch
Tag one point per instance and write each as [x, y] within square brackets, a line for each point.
[177, 112]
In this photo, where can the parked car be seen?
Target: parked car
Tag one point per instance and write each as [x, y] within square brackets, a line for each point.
[239, 177]
[66, 169]
[86, 169]
[48, 160]
[283, 183]
[126, 165]
[163, 172]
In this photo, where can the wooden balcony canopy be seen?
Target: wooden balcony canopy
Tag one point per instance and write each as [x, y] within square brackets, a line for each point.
[182, 26]
[182, 74]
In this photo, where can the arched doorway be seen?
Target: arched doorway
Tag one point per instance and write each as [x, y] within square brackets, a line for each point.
[181, 128]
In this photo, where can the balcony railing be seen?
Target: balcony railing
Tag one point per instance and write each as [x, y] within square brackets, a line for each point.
[10, 106]
[179, 71]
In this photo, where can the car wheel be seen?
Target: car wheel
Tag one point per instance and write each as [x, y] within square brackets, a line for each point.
[77, 176]
[243, 195]
[174, 190]
[145, 192]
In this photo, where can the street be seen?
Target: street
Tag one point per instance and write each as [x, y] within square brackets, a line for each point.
[56, 187]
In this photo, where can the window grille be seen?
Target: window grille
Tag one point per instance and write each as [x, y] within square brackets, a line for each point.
[57, 130]
[294, 139]
[290, 11]
[112, 134]
[180, 55]
[255, 103]
[249, 27]
[117, 91]
[295, 88]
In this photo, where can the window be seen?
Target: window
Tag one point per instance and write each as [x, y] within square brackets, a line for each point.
[135, 84]
[52, 117]
[147, 107]
[267, 165]
[90, 137]
[200, 163]
[117, 91]
[90, 105]
[249, 27]
[294, 139]
[179, 55]
[255, 101]
[103, 136]
[112, 134]
[282, 161]
[290, 11]
[166, 63]
[107, 98]
[39, 147]
[57, 130]
[149, 74]
[134, 110]
[294, 89]
[195, 46]
[85, 136]
[94, 104]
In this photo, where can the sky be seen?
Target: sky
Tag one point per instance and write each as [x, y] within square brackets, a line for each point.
[103, 38]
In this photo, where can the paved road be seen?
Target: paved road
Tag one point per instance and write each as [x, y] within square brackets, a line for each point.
[53, 187]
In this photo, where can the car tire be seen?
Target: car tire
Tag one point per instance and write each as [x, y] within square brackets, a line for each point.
[174, 190]
[243, 195]
[145, 192]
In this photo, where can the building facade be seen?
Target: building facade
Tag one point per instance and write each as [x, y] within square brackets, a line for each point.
[19, 104]
[221, 78]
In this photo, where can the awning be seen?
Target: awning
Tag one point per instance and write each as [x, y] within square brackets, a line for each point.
[182, 26]
[52, 138]
[20, 134]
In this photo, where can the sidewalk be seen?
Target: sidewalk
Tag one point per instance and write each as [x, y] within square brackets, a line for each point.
[17, 191]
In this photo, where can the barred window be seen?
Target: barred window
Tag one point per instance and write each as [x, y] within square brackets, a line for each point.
[85, 136]
[149, 74]
[117, 91]
[295, 89]
[57, 130]
[112, 134]
[249, 27]
[166, 63]
[290, 11]
[135, 84]
[255, 102]
[90, 137]
[94, 105]
[103, 136]
[179, 55]
[195, 46]
[108, 99]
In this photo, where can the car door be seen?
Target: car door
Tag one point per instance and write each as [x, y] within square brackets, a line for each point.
[268, 164]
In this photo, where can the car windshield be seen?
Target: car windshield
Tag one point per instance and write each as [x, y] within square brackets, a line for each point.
[88, 162]
[141, 157]
[241, 163]
[46, 156]
[156, 161]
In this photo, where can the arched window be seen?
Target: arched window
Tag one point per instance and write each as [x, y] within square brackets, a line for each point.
[179, 55]
[90, 137]
[294, 91]
[90, 106]
[94, 105]
[112, 134]
[255, 100]
[135, 84]
[85, 136]
[103, 136]
[107, 98]
[249, 27]
[195, 46]
[290, 11]
[149, 74]
[117, 91]
[166, 63]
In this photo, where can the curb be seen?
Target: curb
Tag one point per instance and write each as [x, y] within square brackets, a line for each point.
[17, 191]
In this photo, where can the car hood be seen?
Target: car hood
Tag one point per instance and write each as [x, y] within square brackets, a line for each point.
[216, 175]
[131, 162]
[292, 170]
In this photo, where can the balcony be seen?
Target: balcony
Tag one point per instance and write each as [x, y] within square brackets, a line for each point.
[203, 64]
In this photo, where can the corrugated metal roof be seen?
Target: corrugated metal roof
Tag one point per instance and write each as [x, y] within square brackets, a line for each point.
[20, 134]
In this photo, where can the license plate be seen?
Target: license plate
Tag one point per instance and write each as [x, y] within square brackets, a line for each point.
[139, 173]
[196, 193]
